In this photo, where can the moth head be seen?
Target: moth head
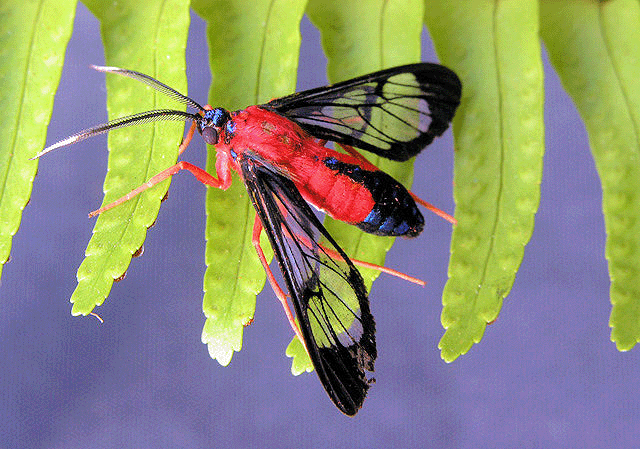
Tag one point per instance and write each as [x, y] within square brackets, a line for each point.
[212, 123]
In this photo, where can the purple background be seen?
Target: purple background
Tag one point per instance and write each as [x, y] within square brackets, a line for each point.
[545, 375]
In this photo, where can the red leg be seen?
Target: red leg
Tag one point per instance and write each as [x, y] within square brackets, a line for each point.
[335, 255]
[200, 174]
[257, 229]
[361, 263]
[187, 139]
[434, 209]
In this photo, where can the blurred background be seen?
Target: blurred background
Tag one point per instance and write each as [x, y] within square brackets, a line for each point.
[545, 374]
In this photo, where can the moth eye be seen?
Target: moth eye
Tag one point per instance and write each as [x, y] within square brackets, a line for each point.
[210, 135]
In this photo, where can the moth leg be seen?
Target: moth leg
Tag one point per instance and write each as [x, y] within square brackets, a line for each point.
[390, 271]
[361, 263]
[430, 207]
[222, 182]
[255, 239]
[187, 139]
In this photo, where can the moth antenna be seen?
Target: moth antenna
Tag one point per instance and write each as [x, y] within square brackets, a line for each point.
[135, 119]
[149, 81]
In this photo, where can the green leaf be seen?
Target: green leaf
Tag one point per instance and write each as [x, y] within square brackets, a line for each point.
[33, 38]
[299, 364]
[595, 47]
[494, 47]
[149, 37]
[253, 58]
[385, 34]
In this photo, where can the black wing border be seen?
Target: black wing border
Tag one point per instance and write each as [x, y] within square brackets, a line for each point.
[262, 182]
[441, 85]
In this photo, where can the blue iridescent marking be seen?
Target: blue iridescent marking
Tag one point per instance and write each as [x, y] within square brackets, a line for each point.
[231, 127]
[388, 225]
[331, 162]
[402, 229]
[233, 154]
[217, 116]
[374, 217]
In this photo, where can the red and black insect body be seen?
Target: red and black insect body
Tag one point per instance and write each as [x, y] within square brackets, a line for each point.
[279, 151]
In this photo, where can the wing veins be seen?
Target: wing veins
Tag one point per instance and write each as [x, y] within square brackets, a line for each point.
[322, 111]
[341, 360]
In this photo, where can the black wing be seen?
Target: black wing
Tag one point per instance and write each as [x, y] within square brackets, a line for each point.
[328, 294]
[394, 113]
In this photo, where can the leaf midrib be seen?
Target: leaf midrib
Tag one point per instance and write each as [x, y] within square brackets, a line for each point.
[501, 125]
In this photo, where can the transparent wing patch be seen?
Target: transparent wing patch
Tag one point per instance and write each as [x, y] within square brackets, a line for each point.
[328, 294]
[394, 113]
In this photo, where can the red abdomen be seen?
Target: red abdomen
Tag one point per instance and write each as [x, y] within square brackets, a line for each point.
[333, 182]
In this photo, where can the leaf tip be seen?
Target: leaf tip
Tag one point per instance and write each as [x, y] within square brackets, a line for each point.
[301, 362]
